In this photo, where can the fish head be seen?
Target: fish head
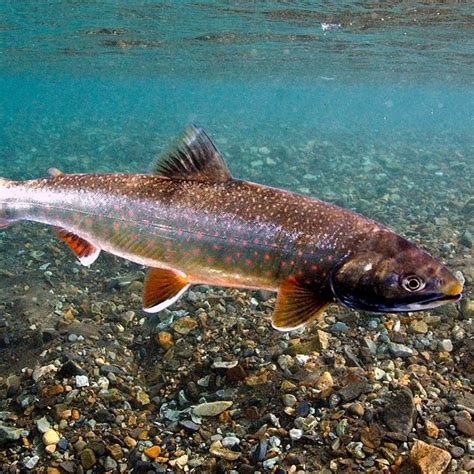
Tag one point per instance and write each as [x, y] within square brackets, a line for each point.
[393, 276]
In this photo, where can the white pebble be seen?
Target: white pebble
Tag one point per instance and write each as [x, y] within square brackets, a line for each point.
[82, 381]
[296, 434]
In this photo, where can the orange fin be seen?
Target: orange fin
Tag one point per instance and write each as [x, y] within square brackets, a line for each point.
[162, 288]
[86, 252]
[296, 306]
[55, 172]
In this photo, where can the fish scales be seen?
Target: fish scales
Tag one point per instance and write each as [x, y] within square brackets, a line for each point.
[192, 222]
[189, 225]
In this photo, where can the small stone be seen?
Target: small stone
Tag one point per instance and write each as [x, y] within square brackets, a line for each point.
[302, 409]
[418, 327]
[431, 429]
[236, 374]
[399, 412]
[190, 425]
[355, 448]
[87, 458]
[32, 462]
[357, 409]
[43, 425]
[289, 400]
[50, 437]
[211, 408]
[429, 459]
[446, 345]
[230, 441]
[130, 442]
[82, 381]
[464, 425]
[40, 372]
[219, 451]
[456, 451]
[184, 325]
[142, 397]
[339, 327]
[296, 434]
[260, 451]
[467, 239]
[152, 452]
[165, 340]
[110, 464]
[115, 451]
[69, 369]
[400, 350]
[353, 390]
[325, 381]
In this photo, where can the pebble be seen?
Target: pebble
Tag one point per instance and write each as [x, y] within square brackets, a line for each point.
[43, 425]
[32, 462]
[429, 459]
[446, 345]
[355, 448]
[87, 458]
[218, 450]
[152, 452]
[82, 381]
[230, 441]
[184, 325]
[110, 464]
[296, 434]
[211, 408]
[400, 350]
[399, 412]
[356, 409]
[464, 425]
[418, 327]
[289, 400]
[51, 437]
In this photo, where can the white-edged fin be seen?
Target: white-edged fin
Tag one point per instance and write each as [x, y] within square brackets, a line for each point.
[86, 252]
[164, 304]
[163, 287]
[296, 306]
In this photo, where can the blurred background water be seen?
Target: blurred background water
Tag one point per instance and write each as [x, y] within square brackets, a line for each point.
[354, 102]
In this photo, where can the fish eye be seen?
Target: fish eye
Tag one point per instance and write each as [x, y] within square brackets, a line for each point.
[413, 283]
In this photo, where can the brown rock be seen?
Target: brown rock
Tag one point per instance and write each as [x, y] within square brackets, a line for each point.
[115, 451]
[399, 413]
[87, 458]
[184, 325]
[431, 429]
[152, 452]
[464, 425]
[236, 374]
[429, 459]
[165, 340]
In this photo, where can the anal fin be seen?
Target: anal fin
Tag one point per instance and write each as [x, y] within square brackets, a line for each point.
[296, 306]
[163, 287]
[86, 252]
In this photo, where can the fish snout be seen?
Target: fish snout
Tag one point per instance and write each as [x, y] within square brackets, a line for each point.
[452, 288]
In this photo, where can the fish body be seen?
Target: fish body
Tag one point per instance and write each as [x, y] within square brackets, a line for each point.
[191, 222]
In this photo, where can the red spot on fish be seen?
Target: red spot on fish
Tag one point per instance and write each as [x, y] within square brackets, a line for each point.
[67, 220]
[255, 253]
[100, 217]
[231, 239]
[134, 237]
[130, 213]
[146, 221]
[228, 259]
[314, 267]
[116, 207]
[248, 262]
[150, 243]
[168, 244]
[283, 264]
[196, 251]
[244, 242]
[210, 259]
[238, 254]
[88, 221]
[300, 253]
[199, 235]
[215, 247]
[267, 273]
[186, 254]
[105, 231]
[329, 258]
[180, 231]
[76, 216]
[292, 263]
[116, 226]
[255, 241]
[266, 257]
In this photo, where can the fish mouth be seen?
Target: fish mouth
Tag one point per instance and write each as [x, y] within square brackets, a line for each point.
[411, 304]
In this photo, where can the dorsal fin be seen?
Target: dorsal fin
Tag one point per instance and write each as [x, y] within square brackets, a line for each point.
[193, 156]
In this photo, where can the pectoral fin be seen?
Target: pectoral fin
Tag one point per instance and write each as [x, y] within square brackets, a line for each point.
[86, 252]
[162, 288]
[296, 306]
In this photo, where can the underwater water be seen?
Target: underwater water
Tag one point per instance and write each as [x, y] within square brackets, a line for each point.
[368, 105]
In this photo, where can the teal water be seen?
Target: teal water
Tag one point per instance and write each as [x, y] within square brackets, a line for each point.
[346, 101]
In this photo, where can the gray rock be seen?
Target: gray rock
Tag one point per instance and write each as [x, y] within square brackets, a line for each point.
[399, 413]
[467, 239]
[446, 345]
[31, 462]
[400, 350]
[8, 433]
[110, 464]
[230, 441]
[43, 425]
[296, 434]
[211, 408]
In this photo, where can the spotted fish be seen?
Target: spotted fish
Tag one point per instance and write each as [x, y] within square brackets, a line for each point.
[191, 222]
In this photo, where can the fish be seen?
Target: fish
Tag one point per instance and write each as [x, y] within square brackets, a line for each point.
[191, 222]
